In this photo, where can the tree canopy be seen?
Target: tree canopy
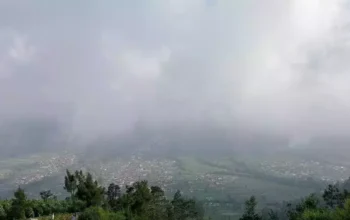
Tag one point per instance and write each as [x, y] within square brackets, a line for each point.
[138, 201]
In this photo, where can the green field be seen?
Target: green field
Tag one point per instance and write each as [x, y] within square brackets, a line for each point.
[242, 182]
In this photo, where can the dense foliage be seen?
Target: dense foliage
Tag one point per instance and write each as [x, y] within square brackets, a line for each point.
[333, 204]
[138, 201]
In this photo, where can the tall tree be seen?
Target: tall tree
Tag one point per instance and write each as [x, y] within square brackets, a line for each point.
[184, 208]
[113, 194]
[141, 197]
[310, 203]
[334, 197]
[89, 190]
[158, 206]
[250, 210]
[3, 214]
[273, 215]
[70, 183]
[46, 194]
[19, 204]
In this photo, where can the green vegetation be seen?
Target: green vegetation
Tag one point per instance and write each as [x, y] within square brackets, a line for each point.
[219, 184]
[139, 201]
[224, 183]
[334, 204]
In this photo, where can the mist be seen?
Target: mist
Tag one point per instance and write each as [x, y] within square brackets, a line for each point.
[275, 70]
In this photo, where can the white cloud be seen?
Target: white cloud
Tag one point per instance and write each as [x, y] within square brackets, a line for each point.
[144, 65]
[281, 66]
[17, 53]
[21, 51]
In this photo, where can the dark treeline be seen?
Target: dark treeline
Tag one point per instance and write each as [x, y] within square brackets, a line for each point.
[138, 201]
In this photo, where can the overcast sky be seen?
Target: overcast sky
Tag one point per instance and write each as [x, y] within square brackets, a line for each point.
[280, 67]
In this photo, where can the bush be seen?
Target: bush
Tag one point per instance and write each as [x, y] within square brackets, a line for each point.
[29, 212]
[3, 213]
[76, 206]
[96, 213]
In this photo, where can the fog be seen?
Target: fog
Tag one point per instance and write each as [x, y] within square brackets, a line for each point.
[275, 68]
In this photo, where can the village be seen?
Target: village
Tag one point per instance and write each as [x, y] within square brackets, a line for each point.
[167, 173]
[306, 169]
[45, 168]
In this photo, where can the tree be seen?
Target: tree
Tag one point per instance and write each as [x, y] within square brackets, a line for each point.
[3, 214]
[113, 191]
[70, 183]
[29, 212]
[273, 215]
[183, 208]
[47, 194]
[5, 209]
[334, 197]
[89, 190]
[316, 215]
[127, 201]
[19, 204]
[38, 207]
[158, 206]
[139, 202]
[342, 213]
[139, 196]
[113, 194]
[250, 212]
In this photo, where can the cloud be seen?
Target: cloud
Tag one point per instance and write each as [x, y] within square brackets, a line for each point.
[16, 52]
[276, 67]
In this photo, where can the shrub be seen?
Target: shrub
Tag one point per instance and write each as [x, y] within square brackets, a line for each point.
[97, 213]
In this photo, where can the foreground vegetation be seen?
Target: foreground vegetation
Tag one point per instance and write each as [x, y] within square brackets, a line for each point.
[333, 204]
[139, 201]
[92, 201]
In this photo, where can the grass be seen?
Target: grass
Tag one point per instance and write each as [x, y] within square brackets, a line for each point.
[244, 183]
[196, 166]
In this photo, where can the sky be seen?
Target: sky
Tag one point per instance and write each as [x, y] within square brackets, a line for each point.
[101, 67]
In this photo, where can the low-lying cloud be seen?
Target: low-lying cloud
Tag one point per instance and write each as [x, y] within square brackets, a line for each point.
[100, 67]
